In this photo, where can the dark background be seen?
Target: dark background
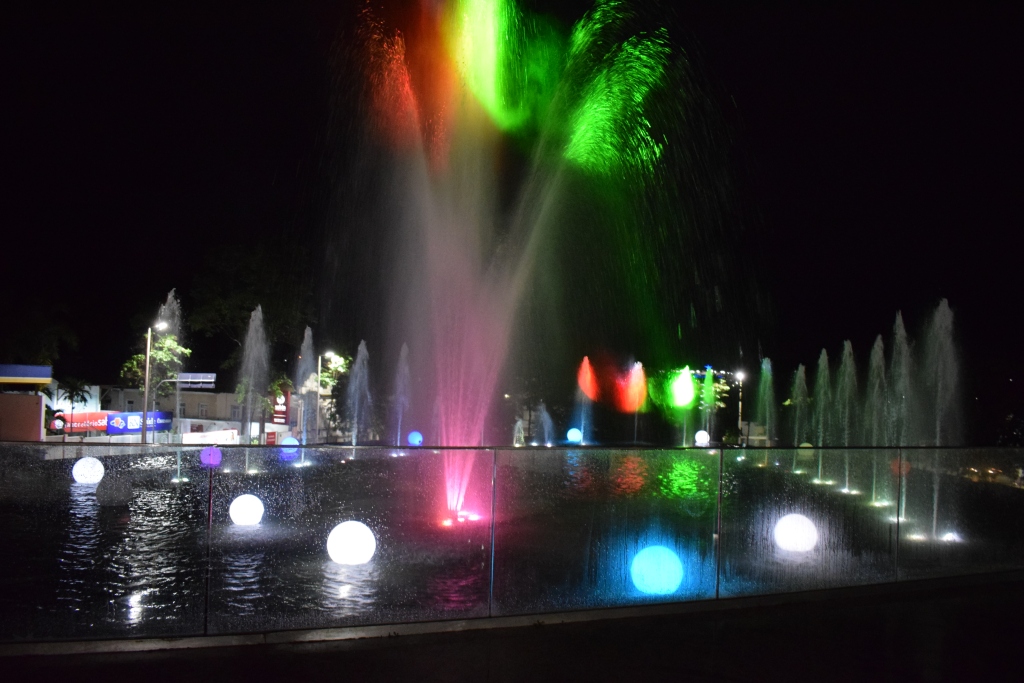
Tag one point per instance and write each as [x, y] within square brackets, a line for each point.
[876, 156]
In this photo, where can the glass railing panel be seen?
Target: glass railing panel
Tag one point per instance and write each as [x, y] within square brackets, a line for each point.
[101, 542]
[577, 529]
[963, 512]
[802, 519]
[349, 536]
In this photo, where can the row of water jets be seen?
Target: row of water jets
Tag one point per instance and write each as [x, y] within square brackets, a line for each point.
[254, 380]
[910, 398]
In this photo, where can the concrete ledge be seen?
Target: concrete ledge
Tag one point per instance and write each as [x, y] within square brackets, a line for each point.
[923, 588]
[83, 647]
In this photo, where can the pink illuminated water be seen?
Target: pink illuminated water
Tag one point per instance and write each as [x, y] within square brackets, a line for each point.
[470, 258]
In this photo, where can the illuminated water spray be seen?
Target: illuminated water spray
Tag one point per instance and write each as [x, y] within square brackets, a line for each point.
[631, 392]
[443, 97]
[588, 391]
[708, 400]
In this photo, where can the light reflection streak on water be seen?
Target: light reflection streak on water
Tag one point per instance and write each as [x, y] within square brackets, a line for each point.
[78, 554]
[349, 589]
[151, 558]
[244, 580]
[134, 564]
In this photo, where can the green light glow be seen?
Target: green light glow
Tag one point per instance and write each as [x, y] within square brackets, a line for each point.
[681, 389]
[609, 127]
[687, 478]
[508, 61]
[708, 393]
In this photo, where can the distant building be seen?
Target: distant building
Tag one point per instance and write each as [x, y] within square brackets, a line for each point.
[22, 407]
[196, 411]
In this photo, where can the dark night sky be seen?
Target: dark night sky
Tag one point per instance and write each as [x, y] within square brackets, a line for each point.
[876, 152]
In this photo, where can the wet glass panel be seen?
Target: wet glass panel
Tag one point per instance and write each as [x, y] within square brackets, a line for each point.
[801, 519]
[963, 512]
[586, 528]
[340, 536]
[101, 542]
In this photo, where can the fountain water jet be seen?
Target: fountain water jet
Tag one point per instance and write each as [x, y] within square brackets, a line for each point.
[254, 378]
[900, 397]
[547, 424]
[876, 408]
[766, 409]
[519, 434]
[941, 377]
[799, 402]
[708, 399]
[402, 390]
[900, 400]
[845, 401]
[822, 407]
[603, 136]
[587, 391]
[306, 382]
[359, 401]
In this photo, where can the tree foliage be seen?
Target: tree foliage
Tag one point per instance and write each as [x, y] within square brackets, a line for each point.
[165, 362]
[225, 294]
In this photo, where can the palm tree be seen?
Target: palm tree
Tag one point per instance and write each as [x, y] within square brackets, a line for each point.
[75, 391]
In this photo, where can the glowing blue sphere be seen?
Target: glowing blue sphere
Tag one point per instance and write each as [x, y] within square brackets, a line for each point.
[415, 439]
[289, 448]
[656, 570]
[574, 436]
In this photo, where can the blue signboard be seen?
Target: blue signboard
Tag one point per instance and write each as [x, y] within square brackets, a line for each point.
[131, 423]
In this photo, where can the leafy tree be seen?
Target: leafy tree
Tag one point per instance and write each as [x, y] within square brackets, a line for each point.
[39, 335]
[333, 370]
[225, 294]
[165, 361]
[334, 381]
[74, 391]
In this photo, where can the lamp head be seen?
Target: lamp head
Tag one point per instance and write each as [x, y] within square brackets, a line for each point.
[329, 354]
[160, 325]
[740, 375]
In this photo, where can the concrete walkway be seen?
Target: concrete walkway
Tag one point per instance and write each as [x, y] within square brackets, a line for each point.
[969, 629]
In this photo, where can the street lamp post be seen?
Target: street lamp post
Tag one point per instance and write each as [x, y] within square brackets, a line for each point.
[740, 376]
[319, 372]
[160, 325]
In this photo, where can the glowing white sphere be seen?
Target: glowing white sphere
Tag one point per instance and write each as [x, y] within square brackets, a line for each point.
[351, 543]
[795, 533]
[88, 470]
[701, 438]
[246, 510]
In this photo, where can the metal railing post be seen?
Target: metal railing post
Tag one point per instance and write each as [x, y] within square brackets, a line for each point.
[494, 507]
[718, 525]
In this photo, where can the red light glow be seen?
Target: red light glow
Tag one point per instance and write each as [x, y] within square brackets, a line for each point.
[631, 389]
[629, 476]
[588, 380]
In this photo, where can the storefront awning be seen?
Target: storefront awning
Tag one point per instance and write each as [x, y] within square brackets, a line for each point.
[25, 374]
